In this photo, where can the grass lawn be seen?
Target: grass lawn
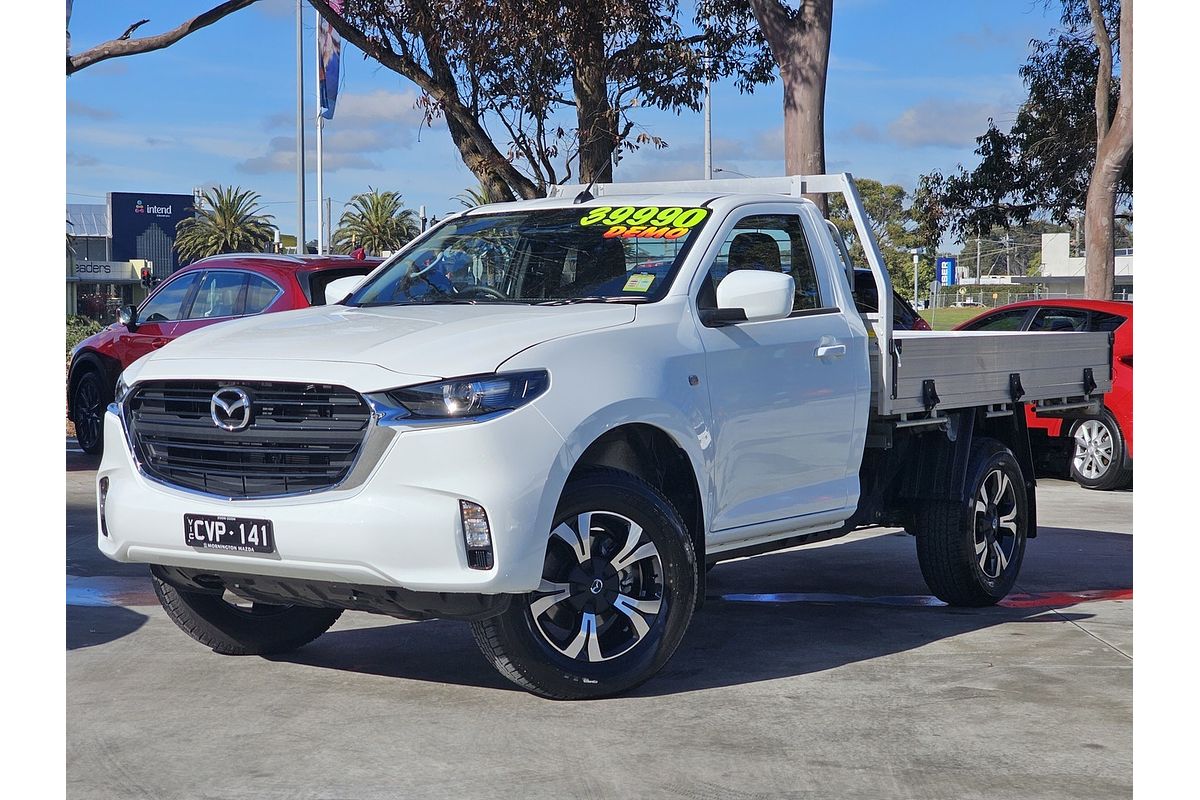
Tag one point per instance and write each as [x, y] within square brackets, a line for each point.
[943, 319]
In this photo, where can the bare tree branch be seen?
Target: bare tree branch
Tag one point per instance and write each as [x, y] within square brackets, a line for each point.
[124, 46]
[131, 29]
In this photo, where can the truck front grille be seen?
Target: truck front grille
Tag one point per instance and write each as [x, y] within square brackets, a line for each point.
[301, 437]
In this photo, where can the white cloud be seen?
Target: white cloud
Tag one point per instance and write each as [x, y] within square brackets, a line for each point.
[281, 157]
[78, 109]
[943, 123]
[364, 125]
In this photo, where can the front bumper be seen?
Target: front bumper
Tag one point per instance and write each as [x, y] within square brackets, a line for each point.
[399, 526]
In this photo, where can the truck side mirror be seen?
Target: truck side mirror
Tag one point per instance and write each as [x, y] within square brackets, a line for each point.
[751, 295]
[128, 317]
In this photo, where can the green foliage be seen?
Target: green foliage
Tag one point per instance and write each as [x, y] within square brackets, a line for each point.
[228, 220]
[898, 226]
[377, 221]
[473, 197]
[79, 328]
[1043, 164]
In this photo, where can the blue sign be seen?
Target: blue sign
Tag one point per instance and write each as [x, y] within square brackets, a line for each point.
[947, 271]
[143, 226]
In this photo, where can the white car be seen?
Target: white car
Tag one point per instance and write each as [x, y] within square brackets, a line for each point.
[548, 417]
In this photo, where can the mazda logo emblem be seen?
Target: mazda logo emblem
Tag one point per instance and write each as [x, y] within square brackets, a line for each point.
[597, 586]
[230, 408]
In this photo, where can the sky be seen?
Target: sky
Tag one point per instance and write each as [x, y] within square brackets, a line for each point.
[911, 84]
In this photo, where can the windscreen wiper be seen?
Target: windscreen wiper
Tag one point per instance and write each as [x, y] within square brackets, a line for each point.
[567, 301]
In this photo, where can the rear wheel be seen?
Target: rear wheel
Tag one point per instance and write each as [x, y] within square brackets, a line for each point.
[231, 626]
[1098, 459]
[617, 593]
[971, 552]
[90, 399]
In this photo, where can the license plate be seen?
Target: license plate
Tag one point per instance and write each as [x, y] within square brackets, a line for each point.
[239, 534]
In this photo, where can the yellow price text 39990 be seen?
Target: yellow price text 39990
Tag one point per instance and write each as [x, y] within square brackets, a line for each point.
[649, 216]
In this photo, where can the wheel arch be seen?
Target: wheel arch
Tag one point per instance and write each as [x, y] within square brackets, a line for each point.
[936, 471]
[657, 455]
[109, 369]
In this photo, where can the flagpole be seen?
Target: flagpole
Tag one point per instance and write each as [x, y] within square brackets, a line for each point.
[299, 127]
[320, 151]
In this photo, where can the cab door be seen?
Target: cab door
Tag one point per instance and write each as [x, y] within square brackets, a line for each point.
[787, 395]
[157, 318]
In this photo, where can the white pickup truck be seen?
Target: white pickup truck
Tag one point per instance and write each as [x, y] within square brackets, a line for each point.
[549, 417]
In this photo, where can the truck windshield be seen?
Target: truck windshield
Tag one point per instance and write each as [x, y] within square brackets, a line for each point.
[546, 256]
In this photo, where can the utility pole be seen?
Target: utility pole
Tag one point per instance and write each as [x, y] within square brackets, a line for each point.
[977, 263]
[299, 127]
[320, 127]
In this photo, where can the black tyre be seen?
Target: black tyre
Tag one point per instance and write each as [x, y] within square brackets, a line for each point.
[90, 398]
[618, 590]
[971, 552]
[242, 629]
[1098, 453]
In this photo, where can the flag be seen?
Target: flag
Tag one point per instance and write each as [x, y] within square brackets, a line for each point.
[329, 61]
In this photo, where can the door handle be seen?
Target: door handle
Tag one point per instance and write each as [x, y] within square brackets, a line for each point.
[831, 351]
[160, 341]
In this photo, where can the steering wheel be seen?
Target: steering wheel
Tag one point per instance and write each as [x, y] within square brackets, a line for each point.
[484, 290]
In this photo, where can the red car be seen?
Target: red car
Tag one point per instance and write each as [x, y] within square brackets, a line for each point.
[1102, 452]
[211, 290]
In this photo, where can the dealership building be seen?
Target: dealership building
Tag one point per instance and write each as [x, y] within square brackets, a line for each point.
[112, 242]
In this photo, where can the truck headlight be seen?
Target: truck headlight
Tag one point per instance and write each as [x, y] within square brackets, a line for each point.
[473, 395]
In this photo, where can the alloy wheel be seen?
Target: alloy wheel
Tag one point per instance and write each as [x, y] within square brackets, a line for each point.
[601, 593]
[87, 411]
[995, 523]
[1094, 449]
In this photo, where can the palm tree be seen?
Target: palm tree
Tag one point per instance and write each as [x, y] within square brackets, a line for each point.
[473, 198]
[228, 220]
[377, 221]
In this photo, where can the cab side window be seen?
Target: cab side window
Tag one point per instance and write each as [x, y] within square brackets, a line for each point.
[1060, 319]
[219, 295]
[773, 242]
[1004, 321]
[167, 304]
[260, 293]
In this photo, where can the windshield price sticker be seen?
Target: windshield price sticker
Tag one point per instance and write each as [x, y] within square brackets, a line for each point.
[638, 282]
[645, 222]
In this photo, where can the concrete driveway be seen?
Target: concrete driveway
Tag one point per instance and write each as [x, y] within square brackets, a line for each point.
[817, 673]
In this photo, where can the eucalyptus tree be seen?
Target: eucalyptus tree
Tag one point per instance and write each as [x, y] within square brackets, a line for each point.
[535, 94]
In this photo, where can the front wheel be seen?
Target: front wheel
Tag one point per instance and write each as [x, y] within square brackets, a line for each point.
[233, 627]
[617, 593]
[970, 552]
[89, 401]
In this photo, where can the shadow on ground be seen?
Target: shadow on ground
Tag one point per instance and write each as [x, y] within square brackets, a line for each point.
[88, 626]
[732, 643]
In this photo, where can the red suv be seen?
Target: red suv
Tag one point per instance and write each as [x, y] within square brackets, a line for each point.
[1101, 446]
[212, 290]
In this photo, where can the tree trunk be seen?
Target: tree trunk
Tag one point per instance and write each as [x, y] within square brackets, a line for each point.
[1113, 151]
[594, 112]
[800, 46]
